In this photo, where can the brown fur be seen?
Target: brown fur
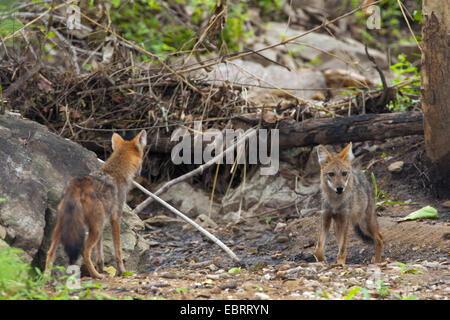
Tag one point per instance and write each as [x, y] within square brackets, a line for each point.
[347, 199]
[90, 200]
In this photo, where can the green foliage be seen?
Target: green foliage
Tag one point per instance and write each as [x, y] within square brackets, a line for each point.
[408, 95]
[381, 194]
[9, 26]
[235, 270]
[269, 7]
[18, 281]
[404, 268]
[155, 26]
[6, 5]
[14, 277]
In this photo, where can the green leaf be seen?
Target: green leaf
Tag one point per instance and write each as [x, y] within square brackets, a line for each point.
[10, 26]
[352, 293]
[179, 290]
[235, 270]
[424, 213]
[115, 3]
[417, 15]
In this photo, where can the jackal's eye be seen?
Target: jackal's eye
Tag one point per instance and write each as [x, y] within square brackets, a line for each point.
[331, 174]
[344, 174]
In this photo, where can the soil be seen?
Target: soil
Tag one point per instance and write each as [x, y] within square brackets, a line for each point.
[277, 253]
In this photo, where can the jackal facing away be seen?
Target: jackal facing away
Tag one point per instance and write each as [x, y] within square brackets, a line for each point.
[347, 198]
[90, 200]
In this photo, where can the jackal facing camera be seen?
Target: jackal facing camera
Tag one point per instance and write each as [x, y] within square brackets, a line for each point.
[347, 199]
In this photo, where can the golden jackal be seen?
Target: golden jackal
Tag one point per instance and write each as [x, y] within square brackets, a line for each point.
[90, 200]
[347, 198]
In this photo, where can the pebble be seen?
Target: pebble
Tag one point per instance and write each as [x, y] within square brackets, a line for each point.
[261, 296]
[212, 267]
[280, 226]
[282, 239]
[396, 166]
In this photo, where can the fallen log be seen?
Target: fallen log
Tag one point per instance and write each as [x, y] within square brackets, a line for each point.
[329, 130]
[353, 128]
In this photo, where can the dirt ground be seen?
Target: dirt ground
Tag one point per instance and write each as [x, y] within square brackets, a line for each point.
[277, 253]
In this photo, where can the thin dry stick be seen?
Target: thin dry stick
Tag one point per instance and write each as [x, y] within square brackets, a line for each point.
[182, 216]
[243, 188]
[33, 21]
[213, 189]
[400, 4]
[249, 133]
[142, 50]
[195, 225]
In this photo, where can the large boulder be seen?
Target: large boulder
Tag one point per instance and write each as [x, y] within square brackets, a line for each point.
[36, 167]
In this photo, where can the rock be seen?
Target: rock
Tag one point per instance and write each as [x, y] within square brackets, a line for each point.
[229, 285]
[2, 232]
[189, 200]
[249, 72]
[161, 220]
[261, 296]
[282, 239]
[205, 221]
[260, 192]
[396, 166]
[446, 204]
[347, 48]
[232, 217]
[36, 167]
[279, 227]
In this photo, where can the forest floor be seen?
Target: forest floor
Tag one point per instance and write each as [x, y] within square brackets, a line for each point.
[277, 254]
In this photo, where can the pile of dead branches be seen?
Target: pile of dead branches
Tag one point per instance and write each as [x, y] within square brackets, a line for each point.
[84, 81]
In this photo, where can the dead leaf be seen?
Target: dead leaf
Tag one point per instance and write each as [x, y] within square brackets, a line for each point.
[44, 84]
[269, 116]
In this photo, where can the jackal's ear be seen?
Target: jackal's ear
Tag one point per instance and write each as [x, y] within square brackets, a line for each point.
[141, 138]
[116, 140]
[323, 155]
[347, 153]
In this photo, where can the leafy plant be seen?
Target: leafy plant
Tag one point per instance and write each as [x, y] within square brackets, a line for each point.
[154, 25]
[18, 280]
[180, 290]
[235, 270]
[352, 292]
[270, 8]
[382, 194]
[408, 95]
[404, 268]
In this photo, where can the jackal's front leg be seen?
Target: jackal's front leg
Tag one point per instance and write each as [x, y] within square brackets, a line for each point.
[324, 228]
[342, 227]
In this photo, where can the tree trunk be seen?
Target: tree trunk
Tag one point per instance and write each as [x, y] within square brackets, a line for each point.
[436, 91]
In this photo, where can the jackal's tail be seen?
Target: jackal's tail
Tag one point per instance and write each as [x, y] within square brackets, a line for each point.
[365, 237]
[72, 225]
